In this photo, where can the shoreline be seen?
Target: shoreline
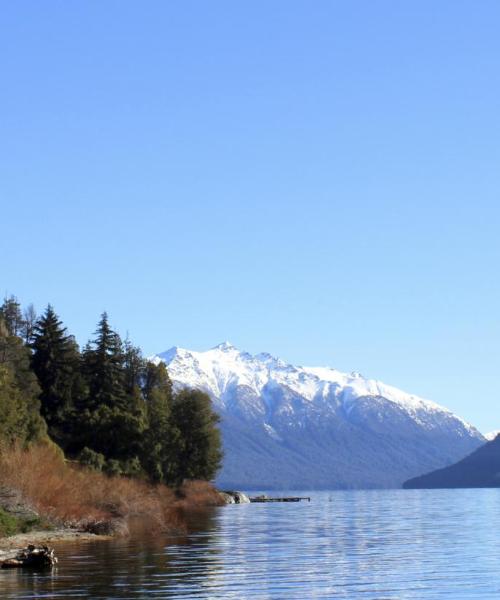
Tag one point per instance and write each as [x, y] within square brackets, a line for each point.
[107, 529]
[10, 546]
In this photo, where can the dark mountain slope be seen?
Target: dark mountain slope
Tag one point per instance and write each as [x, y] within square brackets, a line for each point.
[480, 469]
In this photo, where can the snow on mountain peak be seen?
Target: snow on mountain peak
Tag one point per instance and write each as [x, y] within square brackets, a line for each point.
[225, 347]
[287, 426]
[224, 368]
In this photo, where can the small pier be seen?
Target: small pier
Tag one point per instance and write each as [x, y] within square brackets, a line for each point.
[282, 499]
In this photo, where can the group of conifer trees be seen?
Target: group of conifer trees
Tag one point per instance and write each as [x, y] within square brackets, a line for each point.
[105, 406]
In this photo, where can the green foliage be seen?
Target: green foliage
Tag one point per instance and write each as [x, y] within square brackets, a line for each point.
[56, 363]
[10, 313]
[13, 410]
[114, 432]
[20, 418]
[10, 524]
[132, 467]
[91, 459]
[103, 368]
[107, 406]
[113, 413]
[113, 468]
[199, 454]
[161, 437]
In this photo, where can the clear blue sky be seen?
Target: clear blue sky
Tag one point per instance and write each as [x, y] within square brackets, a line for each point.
[319, 180]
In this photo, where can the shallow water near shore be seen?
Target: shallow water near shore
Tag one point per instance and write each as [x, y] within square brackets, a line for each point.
[391, 544]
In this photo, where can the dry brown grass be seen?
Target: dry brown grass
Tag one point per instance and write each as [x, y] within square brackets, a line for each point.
[198, 494]
[74, 496]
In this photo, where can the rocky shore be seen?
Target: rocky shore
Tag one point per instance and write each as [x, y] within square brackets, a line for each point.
[12, 503]
[11, 545]
[34, 530]
[234, 497]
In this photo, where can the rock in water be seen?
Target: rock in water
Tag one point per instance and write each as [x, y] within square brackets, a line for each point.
[235, 498]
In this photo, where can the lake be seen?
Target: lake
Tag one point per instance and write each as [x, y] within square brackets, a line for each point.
[390, 544]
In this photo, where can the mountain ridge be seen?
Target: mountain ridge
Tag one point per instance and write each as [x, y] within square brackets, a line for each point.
[480, 469]
[334, 429]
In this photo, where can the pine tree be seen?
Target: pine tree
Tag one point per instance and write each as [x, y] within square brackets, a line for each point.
[20, 417]
[134, 366]
[56, 363]
[103, 368]
[13, 410]
[107, 406]
[161, 437]
[10, 311]
[114, 414]
[200, 449]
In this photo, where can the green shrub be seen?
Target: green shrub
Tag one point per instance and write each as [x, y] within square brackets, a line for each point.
[91, 459]
[113, 468]
[10, 525]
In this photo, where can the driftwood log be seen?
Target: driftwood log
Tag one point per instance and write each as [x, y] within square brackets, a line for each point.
[32, 557]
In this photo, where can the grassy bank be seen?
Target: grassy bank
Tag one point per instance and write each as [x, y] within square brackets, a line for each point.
[12, 525]
[68, 495]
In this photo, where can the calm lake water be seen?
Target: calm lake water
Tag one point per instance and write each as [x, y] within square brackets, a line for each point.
[357, 544]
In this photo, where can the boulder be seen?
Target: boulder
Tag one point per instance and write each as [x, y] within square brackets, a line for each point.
[236, 497]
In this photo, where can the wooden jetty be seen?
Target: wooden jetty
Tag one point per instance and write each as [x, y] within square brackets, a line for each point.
[275, 499]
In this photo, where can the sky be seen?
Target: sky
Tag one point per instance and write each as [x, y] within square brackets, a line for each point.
[318, 180]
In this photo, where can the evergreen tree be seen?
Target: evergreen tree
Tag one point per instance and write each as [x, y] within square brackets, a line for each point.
[19, 405]
[56, 363]
[108, 406]
[134, 367]
[10, 311]
[103, 368]
[114, 413]
[199, 453]
[13, 409]
[156, 379]
[161, 437]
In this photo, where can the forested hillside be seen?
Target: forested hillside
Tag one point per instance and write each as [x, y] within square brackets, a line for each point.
[104, 405]
[480, 469]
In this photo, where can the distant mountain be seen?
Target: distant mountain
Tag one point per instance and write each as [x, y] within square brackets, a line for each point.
[312, 427]
[478, 470]
[491, 435]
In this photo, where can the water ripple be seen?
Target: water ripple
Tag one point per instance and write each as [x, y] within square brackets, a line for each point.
[380, 545]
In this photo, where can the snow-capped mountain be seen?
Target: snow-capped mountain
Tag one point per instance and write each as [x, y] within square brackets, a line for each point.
[490, 436]
[286, 426]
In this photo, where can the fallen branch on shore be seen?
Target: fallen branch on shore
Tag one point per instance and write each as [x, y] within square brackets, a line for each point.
[32, 557]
